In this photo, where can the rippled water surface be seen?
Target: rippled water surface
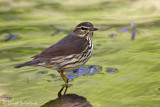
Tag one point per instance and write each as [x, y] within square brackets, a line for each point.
[124, 70]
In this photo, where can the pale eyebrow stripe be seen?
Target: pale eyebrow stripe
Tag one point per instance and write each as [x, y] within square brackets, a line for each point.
[84, 27]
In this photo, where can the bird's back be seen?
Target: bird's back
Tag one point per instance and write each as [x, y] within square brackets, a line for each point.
[70, 44]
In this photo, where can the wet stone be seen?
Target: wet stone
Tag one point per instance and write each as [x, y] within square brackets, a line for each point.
[111, 70]
[84, 71]
[52, 75]
[43, 72]
[49, 81]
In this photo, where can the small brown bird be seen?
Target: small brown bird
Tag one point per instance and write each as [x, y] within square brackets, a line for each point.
[68, 54]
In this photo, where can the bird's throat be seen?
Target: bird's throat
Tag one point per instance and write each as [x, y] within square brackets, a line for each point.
[89, 35]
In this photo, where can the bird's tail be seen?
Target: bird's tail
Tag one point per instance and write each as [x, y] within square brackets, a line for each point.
[29, 63]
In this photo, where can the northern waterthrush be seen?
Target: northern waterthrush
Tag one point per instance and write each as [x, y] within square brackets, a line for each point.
[68, 54]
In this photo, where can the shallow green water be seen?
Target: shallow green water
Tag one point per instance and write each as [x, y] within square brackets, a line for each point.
[135, 85]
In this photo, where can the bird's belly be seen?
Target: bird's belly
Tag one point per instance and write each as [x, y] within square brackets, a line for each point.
[71, 62]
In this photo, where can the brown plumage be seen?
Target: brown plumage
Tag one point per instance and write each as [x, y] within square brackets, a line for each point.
[69, 53]
[65, 47]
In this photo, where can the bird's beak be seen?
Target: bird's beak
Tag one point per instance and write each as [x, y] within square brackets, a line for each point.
[93, 29]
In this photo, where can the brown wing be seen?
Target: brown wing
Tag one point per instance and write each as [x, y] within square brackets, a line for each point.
[70, 44]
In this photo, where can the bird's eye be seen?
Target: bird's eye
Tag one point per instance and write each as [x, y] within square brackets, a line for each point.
[83, 28]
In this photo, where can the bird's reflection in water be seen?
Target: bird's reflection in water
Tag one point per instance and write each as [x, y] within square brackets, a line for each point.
[68, 100]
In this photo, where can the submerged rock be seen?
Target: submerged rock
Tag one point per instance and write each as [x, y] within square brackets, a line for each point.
[111, 70]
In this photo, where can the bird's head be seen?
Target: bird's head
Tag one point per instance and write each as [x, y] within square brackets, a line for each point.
[84, 29]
